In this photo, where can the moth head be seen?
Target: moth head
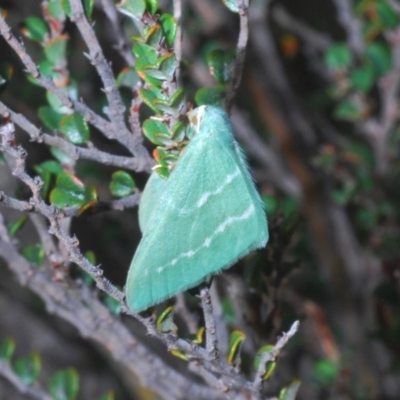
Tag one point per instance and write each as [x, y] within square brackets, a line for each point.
[195, 116]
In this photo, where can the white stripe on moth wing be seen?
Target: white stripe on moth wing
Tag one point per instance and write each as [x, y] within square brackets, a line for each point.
[209, 239]
[231, 220]
[229, 178]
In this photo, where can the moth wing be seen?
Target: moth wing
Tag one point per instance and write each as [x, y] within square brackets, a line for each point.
[208, 216]
[152, 192]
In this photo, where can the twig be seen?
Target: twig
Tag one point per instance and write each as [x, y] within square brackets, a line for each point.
[208, 357]
[319, 41]
[107, 128]
[123, 45]
[220, 319]
[50, 248]
[211, 379]
[188, 317]
[77, 305]
[25, 206]
[97, 121]
[211, 332]
[378, 129]
[50, 212]
[315, 42]
[351, 25]
[272, 355]
[178, 37]
[272, 68]
[240, 54]
[116, 108]
[237, 291]
[33, 391]
[395, 5]
[265, 155]
[76, 152]
[227, 377]
[15, 204]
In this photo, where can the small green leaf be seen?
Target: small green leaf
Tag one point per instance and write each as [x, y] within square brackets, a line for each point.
[152, 35]
[64, 385]
[270, 366]
[146, 56]
[49, 117]
[14, 227]
[75, 128]
[343, 195]
[162, 171]
[362, 79]
[128, 78]
[325, 372]
[34, 253]
[347, 111]
[165, 107]
[65, 4]
[7, 347]
[108, 396]
[149, 73]
[157, 132]
[169, 27]
[289, 392]
[122, 184]
[28, 368]
[46, 171]
[198, 338]
[165, 322]
[211, 96]
[366, 218]
[236, 340]
[271, 204]
[232, 5]
[165, 156]
[132, 8]
[112, 304]
[90, 256]
[289, 207]
[167, 64]
[147, 64]
[378, 54]
[48, 69]
[6, 73]
[177, 99]
[220, 64]
[55, 49]
[151, 6]
[387, 15]
[178, 131]
[34, 28]
[71, 192]
[88, 5]
[149, 97]
[56, 104]
[179, 354]
[55, 10]
[65, 159]
[362, 151]
[338, 56]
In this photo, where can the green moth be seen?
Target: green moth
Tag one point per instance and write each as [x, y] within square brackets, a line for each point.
[209, 215]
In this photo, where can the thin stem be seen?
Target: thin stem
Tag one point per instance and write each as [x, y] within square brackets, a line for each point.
[178, 37]
[240, 54]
